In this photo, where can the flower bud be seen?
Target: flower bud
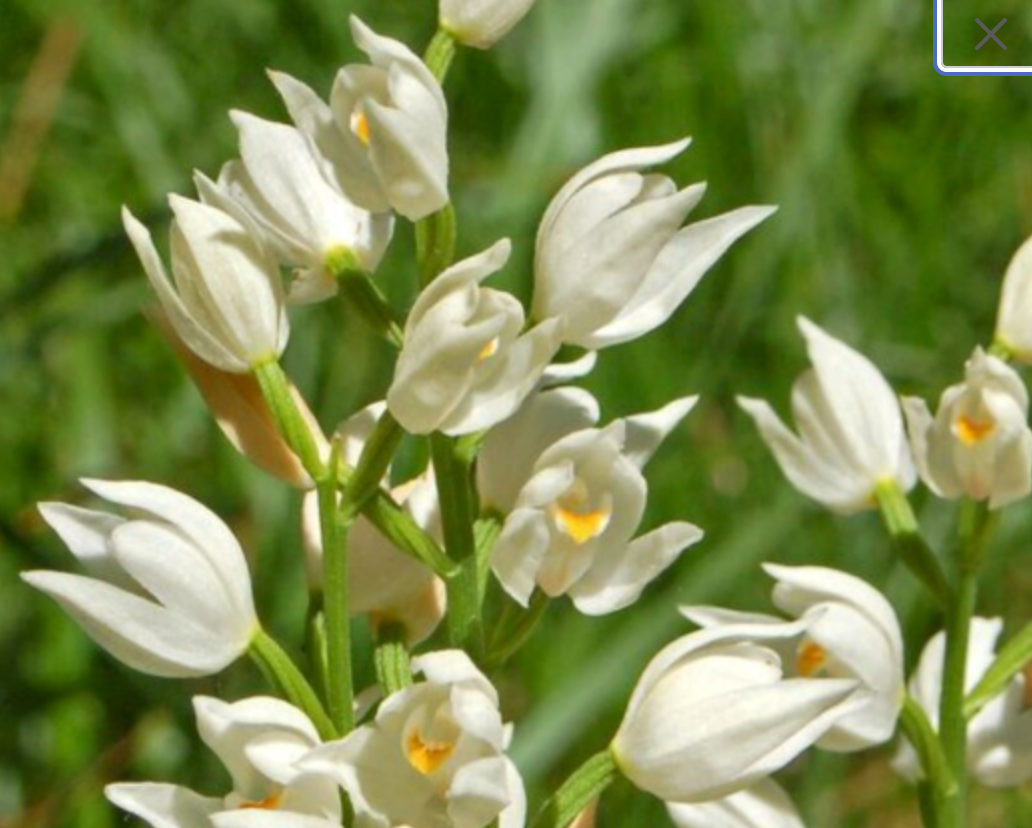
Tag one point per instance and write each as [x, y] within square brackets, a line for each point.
[1014, 317]
[172, 596]
[713, 714]
[979, 444]
[612, 258]
[481, 23]
[465, 365]
[851, 435]
[227, 306]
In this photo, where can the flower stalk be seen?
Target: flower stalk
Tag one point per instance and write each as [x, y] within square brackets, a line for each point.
[439, 54]
[454, 481]
[911, 546]
[276, 391]
[284, 675]
[334, 530]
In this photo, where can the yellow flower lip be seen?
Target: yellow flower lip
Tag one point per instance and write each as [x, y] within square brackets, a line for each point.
[810, 659]
[360, 126]
[971, 431]
[578, 520]
[488, 351]
[269, 803]
[426, 756]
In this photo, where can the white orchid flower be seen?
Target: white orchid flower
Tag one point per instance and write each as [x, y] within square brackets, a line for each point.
[572, 522]
[259, 740]
[227, 303]
[1014, 316]
[393, 124]
[999, 742]
[433, 757]
[713, 713]
[612, 258]
[978, 444]
[171, 594]
[764, 805]
[465, 365]
[299, 205]
[852, 632]
[481, 23]
[851, 436]
[384, 583]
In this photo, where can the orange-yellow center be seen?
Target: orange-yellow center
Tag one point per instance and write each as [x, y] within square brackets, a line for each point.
[582, 526]
[971, 431]
[810, 659]
[488, 351]
[426, 757]
[270, 803]
[360, 126]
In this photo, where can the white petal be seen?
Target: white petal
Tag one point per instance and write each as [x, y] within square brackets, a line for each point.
[519, 552]
[202, 342]
[1014, 318]
[86, 533]
[644, 433]
[676, 272]
[807, 471]
[765, 805]
[613, 584]
[511, 448]
[163, 806]
[199, 523]
[138, 632]
[524, 362]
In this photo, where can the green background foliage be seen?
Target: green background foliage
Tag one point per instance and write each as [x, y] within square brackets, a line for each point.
[902, 194]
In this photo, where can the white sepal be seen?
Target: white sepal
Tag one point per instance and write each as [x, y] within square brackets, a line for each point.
[851, 435]
[1014, 316]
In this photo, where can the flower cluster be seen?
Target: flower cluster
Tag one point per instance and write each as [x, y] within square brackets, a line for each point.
[528, 495]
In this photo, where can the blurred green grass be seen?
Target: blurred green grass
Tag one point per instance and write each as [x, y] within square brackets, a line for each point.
[902, 194]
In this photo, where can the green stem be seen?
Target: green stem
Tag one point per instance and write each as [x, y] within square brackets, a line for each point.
[976, 525]
[454, 484]
[1001, 350]
[315, 644]
[376, 457]
[439, 54]
[334, 530]
[398, 527]
[295, 429]
[435, 243]
[939, 779]
[393, 663]
[910, 545]
[283, 674]
[576, 793]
